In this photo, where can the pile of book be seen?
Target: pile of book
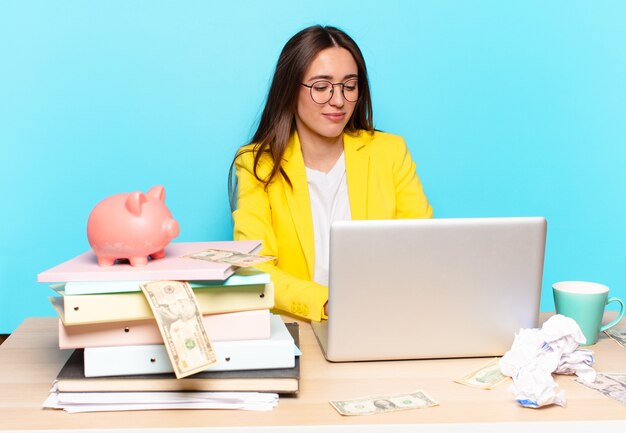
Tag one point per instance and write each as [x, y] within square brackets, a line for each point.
[106, 320]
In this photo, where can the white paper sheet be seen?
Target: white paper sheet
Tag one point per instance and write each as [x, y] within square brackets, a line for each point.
[75, 402]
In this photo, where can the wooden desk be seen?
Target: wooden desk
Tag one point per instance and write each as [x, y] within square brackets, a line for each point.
[30, 359]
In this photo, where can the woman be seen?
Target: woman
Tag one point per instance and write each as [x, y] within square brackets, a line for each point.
[314, 159]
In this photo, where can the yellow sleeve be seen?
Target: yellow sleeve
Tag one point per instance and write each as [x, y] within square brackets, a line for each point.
[253, 220]
[411, 201]
[295, 295]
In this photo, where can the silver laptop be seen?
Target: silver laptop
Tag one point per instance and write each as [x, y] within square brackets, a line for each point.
[436, 288]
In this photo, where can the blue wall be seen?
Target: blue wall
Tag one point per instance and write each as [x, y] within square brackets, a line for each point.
[509, 108]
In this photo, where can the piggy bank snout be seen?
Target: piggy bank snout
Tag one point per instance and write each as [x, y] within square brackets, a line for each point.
[171, 228]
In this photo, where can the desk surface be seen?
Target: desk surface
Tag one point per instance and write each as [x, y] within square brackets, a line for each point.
[30, 360]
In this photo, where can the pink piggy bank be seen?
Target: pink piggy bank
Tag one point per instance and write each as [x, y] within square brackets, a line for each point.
[131, 226]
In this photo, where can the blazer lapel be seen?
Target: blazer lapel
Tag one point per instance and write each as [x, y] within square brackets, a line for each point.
[298, 199]
[357, 174]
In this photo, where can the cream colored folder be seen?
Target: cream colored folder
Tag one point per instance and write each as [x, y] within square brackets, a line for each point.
[113, 307]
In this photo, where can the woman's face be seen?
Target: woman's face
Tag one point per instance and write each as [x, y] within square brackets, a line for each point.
[327, 120]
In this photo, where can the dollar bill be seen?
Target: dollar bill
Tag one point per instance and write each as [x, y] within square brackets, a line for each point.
[175, 308]
[384, 403]
[613, 385]
[486, 377]
[617, 334]
[229, 257]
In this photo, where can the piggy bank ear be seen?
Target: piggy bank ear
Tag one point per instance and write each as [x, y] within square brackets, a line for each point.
[157, 192]
[134, 202]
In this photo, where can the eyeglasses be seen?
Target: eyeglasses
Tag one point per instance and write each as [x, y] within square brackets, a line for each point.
[322, 91]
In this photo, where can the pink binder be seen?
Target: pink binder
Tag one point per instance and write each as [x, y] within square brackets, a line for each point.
[243, 325]
[173, 267]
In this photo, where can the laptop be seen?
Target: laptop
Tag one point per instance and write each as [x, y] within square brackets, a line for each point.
[431, 288]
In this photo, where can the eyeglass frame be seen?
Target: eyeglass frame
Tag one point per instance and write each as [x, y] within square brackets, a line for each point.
[332, 92]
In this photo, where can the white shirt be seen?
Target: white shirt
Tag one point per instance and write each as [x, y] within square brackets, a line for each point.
[329, 202]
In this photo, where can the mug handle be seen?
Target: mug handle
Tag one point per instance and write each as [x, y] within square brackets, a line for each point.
[619, 316]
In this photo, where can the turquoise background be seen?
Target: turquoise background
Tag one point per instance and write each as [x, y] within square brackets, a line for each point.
[510, 108]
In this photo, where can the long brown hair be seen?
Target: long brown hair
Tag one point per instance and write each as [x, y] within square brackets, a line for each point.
[277, 122]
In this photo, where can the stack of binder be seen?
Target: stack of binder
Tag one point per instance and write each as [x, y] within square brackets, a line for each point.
[105, 318]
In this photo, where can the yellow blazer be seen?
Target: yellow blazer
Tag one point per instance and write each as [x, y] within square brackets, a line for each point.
[382, 184]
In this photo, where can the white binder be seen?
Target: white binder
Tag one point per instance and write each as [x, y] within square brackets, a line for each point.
[276, 352]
